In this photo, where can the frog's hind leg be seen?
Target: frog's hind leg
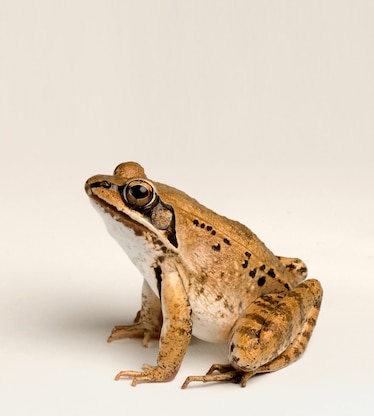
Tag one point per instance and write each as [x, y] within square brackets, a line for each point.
[276, 328]
[299, 343]
[272, 333]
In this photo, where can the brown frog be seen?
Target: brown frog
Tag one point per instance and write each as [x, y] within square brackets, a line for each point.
[204, 275]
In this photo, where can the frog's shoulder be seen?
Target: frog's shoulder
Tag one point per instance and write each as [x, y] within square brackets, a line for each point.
[192, 210]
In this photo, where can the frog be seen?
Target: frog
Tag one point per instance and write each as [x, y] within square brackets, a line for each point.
[204, 275]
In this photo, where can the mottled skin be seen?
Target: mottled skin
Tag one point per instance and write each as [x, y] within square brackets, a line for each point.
[205, 275]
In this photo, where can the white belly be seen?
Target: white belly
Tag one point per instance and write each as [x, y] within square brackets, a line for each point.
[140, 250]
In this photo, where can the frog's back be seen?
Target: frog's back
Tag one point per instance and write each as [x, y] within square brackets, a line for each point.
[225, 266]
[215, 239]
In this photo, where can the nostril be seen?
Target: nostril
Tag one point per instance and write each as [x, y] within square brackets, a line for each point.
[105, 184]
[98, 184]
[92, 183]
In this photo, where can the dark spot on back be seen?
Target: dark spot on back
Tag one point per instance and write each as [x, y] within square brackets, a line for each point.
[261, 281]
[262, 267]
[245, 264]
[217, 247]
[195, 222]
[253, 272]
[227, 241]
[248, 254]
[271, 273]
[209, 228]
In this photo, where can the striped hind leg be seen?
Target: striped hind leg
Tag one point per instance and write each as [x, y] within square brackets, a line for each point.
[298, 345]
[272, 333]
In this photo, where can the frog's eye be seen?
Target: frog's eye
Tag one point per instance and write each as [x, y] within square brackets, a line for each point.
[139, 194]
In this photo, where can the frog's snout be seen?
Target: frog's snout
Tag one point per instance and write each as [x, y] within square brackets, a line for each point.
[87, 188]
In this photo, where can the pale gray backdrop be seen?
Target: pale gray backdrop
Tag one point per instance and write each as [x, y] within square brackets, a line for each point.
[263, 110]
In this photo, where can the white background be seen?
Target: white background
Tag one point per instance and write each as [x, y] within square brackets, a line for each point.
[262, 110]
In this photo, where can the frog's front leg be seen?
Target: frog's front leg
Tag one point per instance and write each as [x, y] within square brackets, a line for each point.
[147, 323]
[272, 333]
[175, 333]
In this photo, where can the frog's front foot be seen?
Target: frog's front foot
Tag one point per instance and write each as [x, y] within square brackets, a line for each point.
[222, 372]
[149, 374]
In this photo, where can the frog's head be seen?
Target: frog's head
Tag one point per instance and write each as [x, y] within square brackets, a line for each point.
[130, 198]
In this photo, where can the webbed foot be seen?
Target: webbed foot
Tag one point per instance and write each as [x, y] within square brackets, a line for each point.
[222, 372]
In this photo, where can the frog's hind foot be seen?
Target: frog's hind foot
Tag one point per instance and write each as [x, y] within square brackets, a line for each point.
[222, 372]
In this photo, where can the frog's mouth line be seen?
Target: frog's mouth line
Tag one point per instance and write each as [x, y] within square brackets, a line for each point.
[120, 216]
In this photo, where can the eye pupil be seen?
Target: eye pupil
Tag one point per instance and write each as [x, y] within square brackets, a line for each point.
[139, 191]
